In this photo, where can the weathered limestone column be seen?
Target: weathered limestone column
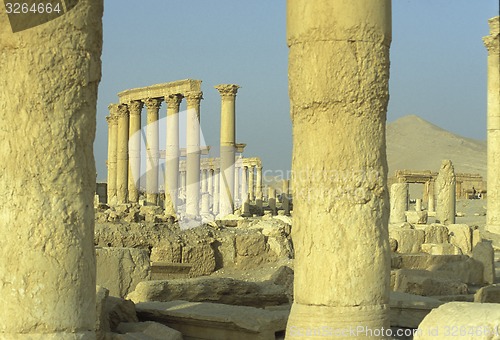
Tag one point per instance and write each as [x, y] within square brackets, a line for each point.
[258, 184]
[272, 200]
[285, 199]
[134, 143]
[152, 150]
[172, 154]
[205, 198]
[122, 154]
[112, 120]
[227, 146]
[48, 93]
[398, 202]
[430, 196]
[338, 85]
[183, 182]
[492, 43]
[418, 204]
[236, 185]
[445, 192]
[210, 184]
[251, 182]
[244, 185]
[193, 153]
[215, 206]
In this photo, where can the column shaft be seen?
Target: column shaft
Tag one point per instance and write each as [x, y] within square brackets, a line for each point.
[122, 154]
[172, 154]
[492, 43]
[338, 85]
[251, 183]
[398, 202]
[48, 95]
[227, 147]
[112, 144]
[193, 154]
[135, 108]
[244, 184]
[215, 208]
[152, 150]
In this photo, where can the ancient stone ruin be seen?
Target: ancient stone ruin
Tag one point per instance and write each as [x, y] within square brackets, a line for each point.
[336, 250]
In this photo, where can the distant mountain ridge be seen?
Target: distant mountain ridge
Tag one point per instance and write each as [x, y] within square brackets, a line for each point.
[416, 144]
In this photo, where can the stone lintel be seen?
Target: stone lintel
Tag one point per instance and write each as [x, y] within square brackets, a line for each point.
[160, 90]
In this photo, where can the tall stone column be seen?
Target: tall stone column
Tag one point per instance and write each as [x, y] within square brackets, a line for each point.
[492, 43]
[134, 143]
[47, 262]
[272, 200]
[112, 120]
[251, 182]
[172, 154]
[227, 146]
[152, 150]
[285, 198]
[398, 202]
[183, 183]
[122, 154]
[258, 185]
[338, 86]
[236, 185]
[193, 152]
[244, 185]
[445, 192]
[215, 206]
[431, 201]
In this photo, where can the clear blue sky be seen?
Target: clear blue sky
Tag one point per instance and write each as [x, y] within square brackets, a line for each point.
[438, 64]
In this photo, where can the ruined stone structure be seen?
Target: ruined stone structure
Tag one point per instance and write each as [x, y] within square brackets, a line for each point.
[338, 85]
[48, 93]
[445, 193]
[492, 43]
[398, 202]
[227, 147]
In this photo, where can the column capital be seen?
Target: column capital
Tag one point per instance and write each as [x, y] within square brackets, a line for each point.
[492, 41]
[122, 110]
[174, 100]
[112, 119]
[227, 90]
[193, 97]
[135, 107]
[152, 104]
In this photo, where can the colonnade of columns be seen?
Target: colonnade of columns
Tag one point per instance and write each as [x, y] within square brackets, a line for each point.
[124, 155]
[124, 150]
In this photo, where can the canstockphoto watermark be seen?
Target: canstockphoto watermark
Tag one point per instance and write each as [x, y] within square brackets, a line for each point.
[25, 14]
[351, 331]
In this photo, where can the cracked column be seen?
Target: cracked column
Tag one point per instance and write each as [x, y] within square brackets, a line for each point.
[338, 86]
[251, 183]
[492, 43]
[112, 134]
[48, 94]
[445, 187]
[193, 153]
[122, 154]
[215, 206]
[398, 202]
[152, 150]
[172, 154]
[227, 147]
[134, 145]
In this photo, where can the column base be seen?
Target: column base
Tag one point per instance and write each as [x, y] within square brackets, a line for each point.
[325, 322]
[50, 336]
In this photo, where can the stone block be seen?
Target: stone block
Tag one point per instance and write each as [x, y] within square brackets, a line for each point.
[416, 217]
[436, 233]
[440, 249]
[121, 269]
[488, 294]
[202, 320]
[408, 310]
[460, 320]
[483, 253]
[424, 261]
[102, 318]
[212, 289]
[167, 251]
[461, 236]
[409, 240]
[201, 257]
[425, 283]
[120, 310]
[153, 330]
